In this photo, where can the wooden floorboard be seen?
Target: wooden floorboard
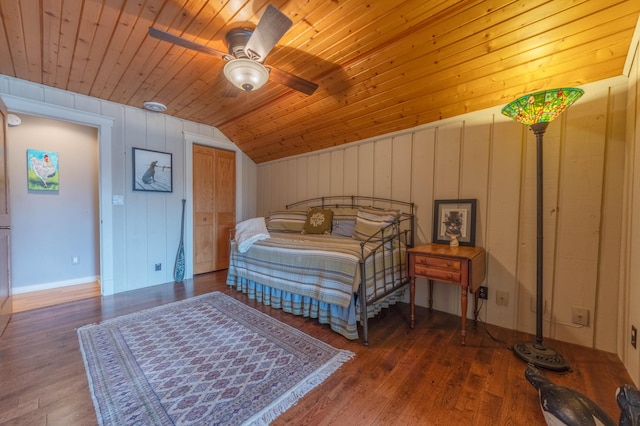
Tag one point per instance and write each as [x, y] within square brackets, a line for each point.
[420, 376]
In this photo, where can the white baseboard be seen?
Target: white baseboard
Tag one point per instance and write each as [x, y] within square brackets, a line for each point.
[57, 284]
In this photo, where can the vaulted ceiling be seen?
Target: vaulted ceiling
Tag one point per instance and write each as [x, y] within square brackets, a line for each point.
[381, 66]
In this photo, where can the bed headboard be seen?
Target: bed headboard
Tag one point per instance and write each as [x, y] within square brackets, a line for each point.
[407, 209]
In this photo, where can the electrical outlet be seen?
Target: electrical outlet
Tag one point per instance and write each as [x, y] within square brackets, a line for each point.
[75, 260]
[502, 297]
[158, 266]
[634, 336]
[580, 315]
[483, 292]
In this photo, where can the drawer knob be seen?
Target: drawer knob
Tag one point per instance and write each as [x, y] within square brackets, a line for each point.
[450, 276]
[449, 263]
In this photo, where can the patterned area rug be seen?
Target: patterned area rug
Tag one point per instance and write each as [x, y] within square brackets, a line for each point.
[207, 360]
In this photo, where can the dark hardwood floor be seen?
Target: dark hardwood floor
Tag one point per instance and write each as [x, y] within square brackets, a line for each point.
[410, 377]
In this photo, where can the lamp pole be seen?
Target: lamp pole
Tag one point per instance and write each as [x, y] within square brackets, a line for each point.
[537, 110]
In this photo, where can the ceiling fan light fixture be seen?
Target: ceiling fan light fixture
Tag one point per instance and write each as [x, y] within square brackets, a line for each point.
[246, 74]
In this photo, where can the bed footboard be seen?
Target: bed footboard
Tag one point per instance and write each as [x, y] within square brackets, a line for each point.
[390, 271]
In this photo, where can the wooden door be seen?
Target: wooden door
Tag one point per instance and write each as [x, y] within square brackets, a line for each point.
[5, 227]
[214, 201]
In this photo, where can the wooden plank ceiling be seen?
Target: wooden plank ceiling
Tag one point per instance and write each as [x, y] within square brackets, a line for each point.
[381, 66]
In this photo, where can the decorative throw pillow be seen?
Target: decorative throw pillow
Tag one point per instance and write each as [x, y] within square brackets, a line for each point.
[344, 221]
[287, 220]
[371, 220]
[318, 221]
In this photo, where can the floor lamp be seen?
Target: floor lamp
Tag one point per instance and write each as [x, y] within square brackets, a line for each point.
[537, 110]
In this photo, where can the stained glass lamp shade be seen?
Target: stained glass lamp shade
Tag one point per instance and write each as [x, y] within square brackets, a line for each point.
[536, 111]
[541, 107]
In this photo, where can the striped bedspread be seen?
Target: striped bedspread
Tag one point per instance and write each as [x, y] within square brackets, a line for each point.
[323, 267]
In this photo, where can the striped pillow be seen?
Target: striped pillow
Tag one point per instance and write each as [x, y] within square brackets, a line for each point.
[371, 220]
[344, 221]
[287, 220]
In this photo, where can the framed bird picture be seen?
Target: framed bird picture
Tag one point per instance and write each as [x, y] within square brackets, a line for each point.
[42, 170]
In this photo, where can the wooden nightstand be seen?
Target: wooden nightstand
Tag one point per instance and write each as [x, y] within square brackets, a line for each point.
[462, 265]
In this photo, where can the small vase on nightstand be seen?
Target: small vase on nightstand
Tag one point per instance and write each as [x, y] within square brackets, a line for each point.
[454, 241]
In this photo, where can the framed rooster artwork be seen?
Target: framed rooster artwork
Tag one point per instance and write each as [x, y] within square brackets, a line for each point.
[42, 170]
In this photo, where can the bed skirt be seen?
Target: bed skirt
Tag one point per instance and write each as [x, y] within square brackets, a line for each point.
[342, 320]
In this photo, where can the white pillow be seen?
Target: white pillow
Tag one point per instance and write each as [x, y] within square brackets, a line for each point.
[250, 231]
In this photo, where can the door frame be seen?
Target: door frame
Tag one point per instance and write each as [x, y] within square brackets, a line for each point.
[105, 191]
[189, 140]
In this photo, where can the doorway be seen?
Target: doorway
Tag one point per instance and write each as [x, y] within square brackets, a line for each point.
[56, 217]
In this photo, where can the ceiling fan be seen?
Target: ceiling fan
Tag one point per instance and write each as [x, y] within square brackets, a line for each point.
[247, 52]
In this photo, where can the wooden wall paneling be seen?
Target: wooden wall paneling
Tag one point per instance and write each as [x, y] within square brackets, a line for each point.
[336, 176]
[611, 236]
[365, 169]
[281, 185]
[264, 189]
[249, 202]
[401, 167]
[503, 212]
[447, 186]
[292, 173]
[350, 173]
[313, 186]
[156, 207]
[175, 140]
[60, 97]
[474, 172]
[137, 215]
[447, 162]
[579, 216]
[301, 178]
[382, 168]
[121, 185]
[632, 360]
[324, 173]
[422, 172]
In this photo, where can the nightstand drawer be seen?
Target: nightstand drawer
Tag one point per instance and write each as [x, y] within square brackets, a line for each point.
[437, 274]
[436, 262]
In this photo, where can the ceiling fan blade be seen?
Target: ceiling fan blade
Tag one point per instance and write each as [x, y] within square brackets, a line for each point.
[272, 26]
[183, 42]
[292, 81]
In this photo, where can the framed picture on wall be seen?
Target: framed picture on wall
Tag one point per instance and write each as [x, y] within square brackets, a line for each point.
[152, 171]
[42, 170]
[455, 218]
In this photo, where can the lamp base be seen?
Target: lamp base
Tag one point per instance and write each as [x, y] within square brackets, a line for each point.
[540, 356]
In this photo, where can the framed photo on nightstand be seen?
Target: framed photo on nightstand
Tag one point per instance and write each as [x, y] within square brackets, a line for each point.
[454, 218]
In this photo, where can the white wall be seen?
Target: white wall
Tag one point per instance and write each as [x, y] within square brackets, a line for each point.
[145, 229]
[629, 296]
[491, 158]
[50, 228]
